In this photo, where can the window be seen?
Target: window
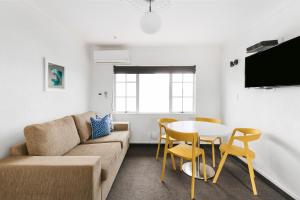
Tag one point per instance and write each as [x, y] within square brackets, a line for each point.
[154, 93]
[125, 92]
[147, 92]
[182, 92]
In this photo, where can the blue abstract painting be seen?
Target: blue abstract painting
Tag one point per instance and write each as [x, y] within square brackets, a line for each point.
[56, 76]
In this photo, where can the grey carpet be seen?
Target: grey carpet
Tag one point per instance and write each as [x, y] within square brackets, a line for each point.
[139, 179]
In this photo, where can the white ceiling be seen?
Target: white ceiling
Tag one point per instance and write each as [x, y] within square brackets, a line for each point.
[184, 21]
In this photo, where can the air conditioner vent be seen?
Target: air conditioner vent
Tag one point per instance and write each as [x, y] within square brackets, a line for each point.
[111, 56]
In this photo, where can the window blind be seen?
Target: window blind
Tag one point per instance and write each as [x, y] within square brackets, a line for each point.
[154, 69]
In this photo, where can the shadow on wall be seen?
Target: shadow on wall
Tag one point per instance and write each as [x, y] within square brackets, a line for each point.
[284, 145]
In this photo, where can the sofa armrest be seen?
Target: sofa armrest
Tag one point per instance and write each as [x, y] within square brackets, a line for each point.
[18, 150]
[121, 126]
[50, 177]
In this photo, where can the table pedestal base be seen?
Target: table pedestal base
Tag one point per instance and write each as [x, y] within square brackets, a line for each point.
[187, 169]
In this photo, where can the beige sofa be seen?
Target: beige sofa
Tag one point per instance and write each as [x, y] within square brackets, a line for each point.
[58, 161]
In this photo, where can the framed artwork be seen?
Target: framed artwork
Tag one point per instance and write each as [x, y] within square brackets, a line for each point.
[55, 76]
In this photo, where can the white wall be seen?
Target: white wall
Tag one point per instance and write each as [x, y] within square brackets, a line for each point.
[143, 126]
[275, 112]
[26, 36]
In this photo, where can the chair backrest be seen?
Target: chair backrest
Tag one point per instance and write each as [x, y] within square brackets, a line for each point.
[249, 134]
[163, 121]
[182, 136]
[211, 120]
[167, 120]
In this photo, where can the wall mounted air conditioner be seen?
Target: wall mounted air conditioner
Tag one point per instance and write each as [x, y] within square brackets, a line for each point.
[111, 56]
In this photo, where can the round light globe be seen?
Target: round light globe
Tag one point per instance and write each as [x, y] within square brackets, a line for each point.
[150, 22]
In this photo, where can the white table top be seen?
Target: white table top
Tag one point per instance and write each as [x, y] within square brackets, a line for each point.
[203, 128]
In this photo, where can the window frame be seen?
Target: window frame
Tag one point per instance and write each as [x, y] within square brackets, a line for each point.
[170, 97]
[182, 97]
[136, 93]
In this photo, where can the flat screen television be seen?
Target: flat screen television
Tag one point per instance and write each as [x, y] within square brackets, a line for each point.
[277, 66]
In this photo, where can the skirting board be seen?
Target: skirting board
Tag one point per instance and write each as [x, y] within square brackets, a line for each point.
[275, 186]
[154, 142]
[143, 142]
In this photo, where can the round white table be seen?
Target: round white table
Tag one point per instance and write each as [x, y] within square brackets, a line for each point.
[203, 129]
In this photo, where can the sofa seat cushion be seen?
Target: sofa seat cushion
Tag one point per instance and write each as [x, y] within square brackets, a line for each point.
[108, 152]
[116, 136]
[83, 125]
[53, 138]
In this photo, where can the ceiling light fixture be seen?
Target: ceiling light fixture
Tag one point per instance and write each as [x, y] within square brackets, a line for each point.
[150, 22]
[158, 6]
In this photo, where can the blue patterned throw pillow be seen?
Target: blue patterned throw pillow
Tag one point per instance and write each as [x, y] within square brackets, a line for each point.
[100, 126]
[110, 122]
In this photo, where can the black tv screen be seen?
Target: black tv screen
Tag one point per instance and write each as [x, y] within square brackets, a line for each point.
[277, 66]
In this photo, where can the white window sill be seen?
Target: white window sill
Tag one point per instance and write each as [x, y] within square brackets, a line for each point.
[136, 113]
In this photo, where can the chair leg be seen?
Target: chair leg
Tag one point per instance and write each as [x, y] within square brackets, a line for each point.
[172, 157]
[204, 166]
[164, 163]
[251, 173]
[158, 148]
[213, 153]
[173, 162]
[220, 167]
[181, 163]
[193, 178]
[220, 145]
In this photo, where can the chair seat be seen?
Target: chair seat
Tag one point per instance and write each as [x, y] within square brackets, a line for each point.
[165, 137]
[237, 151]
[185, 151]
[208, 139]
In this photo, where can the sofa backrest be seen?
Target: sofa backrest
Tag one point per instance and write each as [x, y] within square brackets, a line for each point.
[83, 125]
[53, 138]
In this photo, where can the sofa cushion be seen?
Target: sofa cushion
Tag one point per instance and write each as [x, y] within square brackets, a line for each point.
[100, 126]
[109, 153]
[117, 136]
[53, 138]
[83, 125]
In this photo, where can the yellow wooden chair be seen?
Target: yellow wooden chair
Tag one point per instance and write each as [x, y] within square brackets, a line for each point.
[162, 135]
[210, 140]
[185, 151]
[248, 135]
